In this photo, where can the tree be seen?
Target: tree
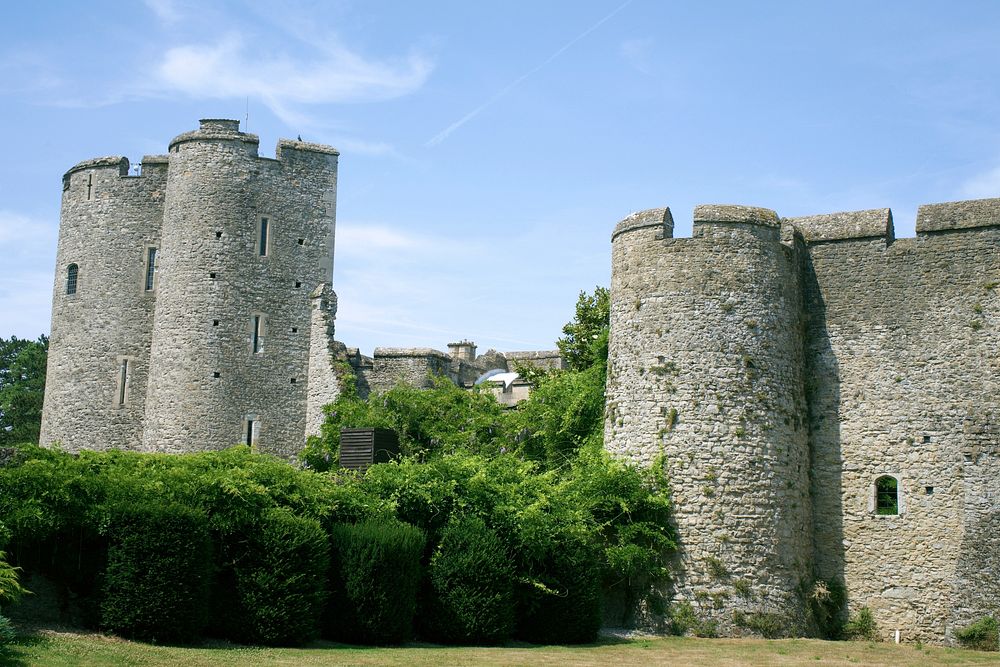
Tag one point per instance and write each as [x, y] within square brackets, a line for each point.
[22, 388]
[585, 339]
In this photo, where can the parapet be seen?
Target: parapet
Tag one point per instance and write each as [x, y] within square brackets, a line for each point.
[303, 146]
[958, 215]
[425, 352]
[722, 219]
[109, 162]
[654, 217]
[873, 223]
[216, 129]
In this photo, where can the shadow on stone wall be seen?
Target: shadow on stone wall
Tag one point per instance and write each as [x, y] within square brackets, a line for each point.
[822, 384]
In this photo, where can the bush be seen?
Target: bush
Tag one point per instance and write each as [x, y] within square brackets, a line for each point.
[7, 632]
[983, 635]
[469, 596]
[559, 601]
[158, 573]
[374, 578]
[861, 626]
[277, 569]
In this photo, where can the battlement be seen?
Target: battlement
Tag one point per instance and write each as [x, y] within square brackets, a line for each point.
[287, 145]
[873, 223]
[957, 215]
[423, 352]
[216, 129]
[654, 217]
[109, 162]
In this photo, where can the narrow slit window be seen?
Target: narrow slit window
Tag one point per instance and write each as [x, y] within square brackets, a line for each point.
[264, 231]
[90, 187]
[886, 495]
[150, 268]
[257, 342]
[123, 371]
[72, 277]
[251, 432]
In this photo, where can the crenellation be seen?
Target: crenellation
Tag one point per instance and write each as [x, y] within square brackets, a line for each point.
[958, 215]
[873, 223]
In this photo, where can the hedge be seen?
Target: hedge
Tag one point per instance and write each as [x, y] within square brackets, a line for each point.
[374, 579]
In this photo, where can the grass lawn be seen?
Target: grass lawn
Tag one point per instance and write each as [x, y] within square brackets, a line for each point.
[53, 649]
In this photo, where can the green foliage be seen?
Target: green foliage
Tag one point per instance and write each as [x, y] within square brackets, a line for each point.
[374, 579]
[826, 601]
[10, 586]
[469, 598]
[684, 620]
[279, 569]
[158, 573]
[564, 414]
[442, 419]
[766, 624]
[559, 601]
[862, 625]
[22, 388]
[7, 633]
[983, 635]
[585, 339]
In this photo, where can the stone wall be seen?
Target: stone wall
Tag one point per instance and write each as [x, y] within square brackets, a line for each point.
[904, 378]
[778, 378]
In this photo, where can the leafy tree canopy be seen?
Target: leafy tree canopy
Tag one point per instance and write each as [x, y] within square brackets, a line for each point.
[585, 339]
[22, 388]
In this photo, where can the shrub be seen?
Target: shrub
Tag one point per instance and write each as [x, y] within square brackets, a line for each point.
[826, 602]
[277, 568]
[374, 578]
[469, 596]
[861, 625]
[983, 635]
[559, 599]
[157, 577]
[7, 632]
[684, 620]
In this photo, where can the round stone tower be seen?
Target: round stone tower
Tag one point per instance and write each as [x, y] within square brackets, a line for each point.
[102, 305]
[705, 378]
[245, 241]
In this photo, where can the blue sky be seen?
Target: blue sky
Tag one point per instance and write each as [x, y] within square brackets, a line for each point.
[489, 148]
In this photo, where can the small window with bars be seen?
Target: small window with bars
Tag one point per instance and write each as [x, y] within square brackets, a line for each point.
[886, 495]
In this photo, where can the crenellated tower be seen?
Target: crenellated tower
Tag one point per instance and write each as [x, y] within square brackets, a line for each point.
[705, 371]
[188, 322]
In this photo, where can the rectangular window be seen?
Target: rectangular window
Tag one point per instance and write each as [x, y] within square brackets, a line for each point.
[90, 187]
[123, 382]
[150, 268]
[257, 342]
[264, 231]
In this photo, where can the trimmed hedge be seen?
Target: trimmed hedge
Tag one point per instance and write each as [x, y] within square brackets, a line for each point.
[157, 578]
[469, 596]
[279, 566]
[375, 576]
[561, 603]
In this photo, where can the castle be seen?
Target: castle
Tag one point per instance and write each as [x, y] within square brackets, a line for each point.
[824, 395]
[193, 305]
[826, 399]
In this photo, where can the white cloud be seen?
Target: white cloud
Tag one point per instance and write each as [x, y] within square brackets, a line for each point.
[233, 69]
[636, 53]
[166, 11]
[982, 185]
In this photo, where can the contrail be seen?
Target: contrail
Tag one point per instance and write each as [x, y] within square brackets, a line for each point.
[443, 134]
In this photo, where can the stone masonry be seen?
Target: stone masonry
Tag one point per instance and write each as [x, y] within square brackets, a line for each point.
[781, 367]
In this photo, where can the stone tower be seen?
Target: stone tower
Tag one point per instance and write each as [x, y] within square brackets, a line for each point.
[705, 369]
[182, 317]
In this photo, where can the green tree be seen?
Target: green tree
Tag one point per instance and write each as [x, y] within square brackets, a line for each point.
[585, 339]
[22, 388]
